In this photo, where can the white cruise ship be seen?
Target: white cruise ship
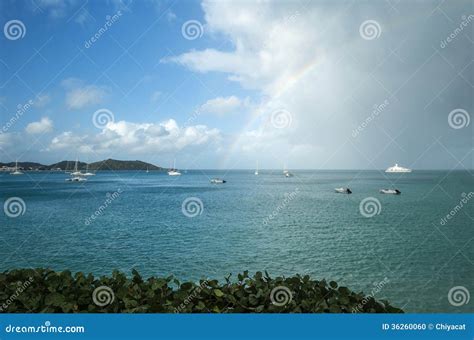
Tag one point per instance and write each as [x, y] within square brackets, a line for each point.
[397, 168]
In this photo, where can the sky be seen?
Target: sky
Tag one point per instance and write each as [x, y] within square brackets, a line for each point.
[227, 84]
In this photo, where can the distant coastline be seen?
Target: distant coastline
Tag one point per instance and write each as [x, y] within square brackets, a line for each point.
[107, 164]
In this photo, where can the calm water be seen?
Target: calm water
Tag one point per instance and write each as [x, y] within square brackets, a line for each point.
[312, 230]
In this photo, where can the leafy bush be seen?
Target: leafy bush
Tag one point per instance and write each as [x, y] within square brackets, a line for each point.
[47, 291]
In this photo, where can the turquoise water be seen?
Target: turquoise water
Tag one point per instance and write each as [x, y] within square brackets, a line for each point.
[266, 222]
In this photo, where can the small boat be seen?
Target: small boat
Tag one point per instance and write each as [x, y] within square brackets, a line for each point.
[16, 172]
[76, 179]
[173, 171]
[87, 172]
[397, 169]
[343, 190]
[76, 172]
[390, 191]
[288, 174]
[256, 170]
[147, 171]
[217, 181]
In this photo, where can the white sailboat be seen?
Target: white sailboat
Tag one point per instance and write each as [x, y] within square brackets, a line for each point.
[87, 171]
[147, 171]
[173, 171]
[76, 175]
[286, 172]
[76, 172]
[16, 172]
[256, 171]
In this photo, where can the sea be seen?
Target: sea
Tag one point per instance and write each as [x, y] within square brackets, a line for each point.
[415, 249]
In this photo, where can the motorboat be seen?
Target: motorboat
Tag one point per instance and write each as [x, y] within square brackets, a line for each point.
[217, 181]
[343, 190]
[397, 168]
[288, 174]
[76, 179]
[390, 191]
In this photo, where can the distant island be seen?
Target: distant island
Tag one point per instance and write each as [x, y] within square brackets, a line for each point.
[107, 164]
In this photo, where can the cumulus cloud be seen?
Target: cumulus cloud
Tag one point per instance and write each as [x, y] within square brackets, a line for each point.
[310, 60]
[222, 105]
[144, 138]
[80, 95]
[43, 126]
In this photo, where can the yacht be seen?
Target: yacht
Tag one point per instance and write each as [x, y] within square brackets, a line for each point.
[390, 191]
[218, 181]
[397, 168]
[16, 172]
[173, 171]
[343, 190]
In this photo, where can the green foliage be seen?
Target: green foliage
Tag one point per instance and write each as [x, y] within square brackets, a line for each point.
[62, 292]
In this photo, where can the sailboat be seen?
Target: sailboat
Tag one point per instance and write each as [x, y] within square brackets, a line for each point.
[147, 171]
[256, 171]
[16, 172]
[173, 171]
[76, 175]
[76, 172]
[87, 171]
[286, 172]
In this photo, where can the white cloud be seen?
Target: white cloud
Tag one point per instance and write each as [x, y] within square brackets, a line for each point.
[144, 138]
[79, 95]
[43, 126]
[222, 105]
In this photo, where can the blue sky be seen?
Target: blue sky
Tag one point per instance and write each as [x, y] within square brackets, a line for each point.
[307, 84]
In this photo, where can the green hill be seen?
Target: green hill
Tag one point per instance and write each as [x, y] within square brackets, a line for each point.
[113, 164]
